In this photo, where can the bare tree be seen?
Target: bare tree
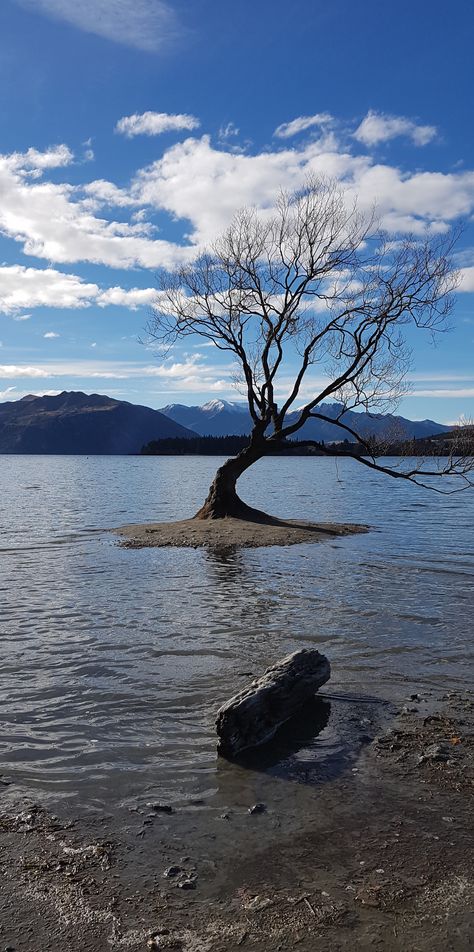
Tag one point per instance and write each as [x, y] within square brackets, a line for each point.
[312, 284]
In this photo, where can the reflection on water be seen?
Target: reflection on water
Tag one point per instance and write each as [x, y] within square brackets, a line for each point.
[114, 661]
[297, 734]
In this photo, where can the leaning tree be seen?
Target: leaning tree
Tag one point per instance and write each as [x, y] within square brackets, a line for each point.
[313, 303]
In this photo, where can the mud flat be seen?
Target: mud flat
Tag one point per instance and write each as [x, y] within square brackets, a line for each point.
[379, 856]
[226, 533]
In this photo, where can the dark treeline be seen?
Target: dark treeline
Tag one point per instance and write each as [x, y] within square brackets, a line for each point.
[444, 444]
[232, 445]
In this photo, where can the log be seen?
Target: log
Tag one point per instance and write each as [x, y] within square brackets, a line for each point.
[253, 716]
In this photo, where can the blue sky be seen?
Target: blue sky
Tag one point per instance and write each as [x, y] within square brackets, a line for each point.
[132, 130]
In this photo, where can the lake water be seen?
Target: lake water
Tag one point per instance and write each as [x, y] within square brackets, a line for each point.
[114, 661]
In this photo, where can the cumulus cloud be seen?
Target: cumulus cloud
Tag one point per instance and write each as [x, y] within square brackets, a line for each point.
[144, 24]
[378, 127]
[103, 192]
[50, 335]
[22, 287]
[132, 297]
[154, 124]
[11, 371]
[195, 181]
[466, 282]
[51, 222]
[201, 186]
[288, 129]
[56, 156]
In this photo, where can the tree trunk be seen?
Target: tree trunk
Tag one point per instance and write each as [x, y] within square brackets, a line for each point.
[222, 499]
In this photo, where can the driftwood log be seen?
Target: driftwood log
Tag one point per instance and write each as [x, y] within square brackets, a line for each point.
[253, 716]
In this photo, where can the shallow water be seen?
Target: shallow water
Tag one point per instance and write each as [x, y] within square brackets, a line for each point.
[114, 661]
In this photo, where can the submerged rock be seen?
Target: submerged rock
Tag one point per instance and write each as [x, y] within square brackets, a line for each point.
[253, 716]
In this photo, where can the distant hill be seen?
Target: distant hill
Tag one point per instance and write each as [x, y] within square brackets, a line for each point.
[77, 423]
[216, 418]
[223, 418]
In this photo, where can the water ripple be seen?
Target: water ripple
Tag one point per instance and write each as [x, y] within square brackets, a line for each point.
[115, 661]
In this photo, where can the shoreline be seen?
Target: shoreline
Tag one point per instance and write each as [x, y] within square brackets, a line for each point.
[375, 857]
[230, 532]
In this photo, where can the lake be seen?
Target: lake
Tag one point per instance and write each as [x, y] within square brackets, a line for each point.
[114, 661]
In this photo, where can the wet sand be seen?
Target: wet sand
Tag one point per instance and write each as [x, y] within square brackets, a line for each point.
[227, 533]
[377, 856]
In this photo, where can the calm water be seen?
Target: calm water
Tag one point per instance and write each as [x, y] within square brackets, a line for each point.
[114, 661]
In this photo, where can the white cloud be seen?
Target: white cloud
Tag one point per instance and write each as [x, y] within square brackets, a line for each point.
[228, 131]
[132, 298]
[195, 181]
[103, 192]
[202, 186]
[301, 124]
[192, 374]
[22, 287]
[50, 224]
[378, 127]
[154, 123]
[11, 371]
[445, 394]
[11, 393]
[466, 279]
[440, 378]
[145, 24]
[56, 156]
[50, 335]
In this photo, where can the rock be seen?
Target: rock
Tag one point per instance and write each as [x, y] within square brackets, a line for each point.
[257, 808]
[436, 753]
[187, 884]
[160, 807]
[253, 716]
[173, 871]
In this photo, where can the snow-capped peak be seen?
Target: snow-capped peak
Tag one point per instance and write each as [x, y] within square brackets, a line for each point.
[217, 406]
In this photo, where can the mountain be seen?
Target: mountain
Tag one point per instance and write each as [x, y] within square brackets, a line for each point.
[77, 423]
[216, 418]
[222, 418]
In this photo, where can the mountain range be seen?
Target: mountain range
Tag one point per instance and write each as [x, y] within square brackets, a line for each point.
[77, 423]
[223, 418]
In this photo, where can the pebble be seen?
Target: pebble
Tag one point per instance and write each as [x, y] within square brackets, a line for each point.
[187, 884]
[258, 808]
[173, 871]
[436, 753]
[160, 807]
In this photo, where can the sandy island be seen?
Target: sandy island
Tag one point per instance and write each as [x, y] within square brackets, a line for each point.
[229, 532]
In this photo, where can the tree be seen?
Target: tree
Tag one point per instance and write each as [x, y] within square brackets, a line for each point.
[311, 284]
